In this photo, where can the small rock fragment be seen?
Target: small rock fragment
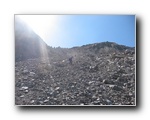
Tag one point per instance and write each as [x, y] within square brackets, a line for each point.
[55, 98]
[41, 102]
[130, 94]
[57, 88]
[81, 103]
[117, 88]
[31, 74]
[46, 101]
[32, 101]
[26, 91]
[91, 82]
[25, 71]
[23, 88]
[111, 86]
[25, 77]
[22, 96]
[108, 102]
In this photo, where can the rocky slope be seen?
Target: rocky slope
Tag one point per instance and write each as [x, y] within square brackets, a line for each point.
[101, 74]
[27, 43]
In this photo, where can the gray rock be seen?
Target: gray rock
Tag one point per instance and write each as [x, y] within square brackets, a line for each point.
[81, 103]
[32, 79]
[55, 98]
[26, 91]
[91, 82]
[130, 94]
[45, 101]
[32, 101]
[108, 102]
[25, 71]
[96, 102]
[117, 88]
[25, 77]
[111, 86]
[23, 88]
[41, 102]
[57, 88]
[108, 81]
[22, 96]
[31, 74]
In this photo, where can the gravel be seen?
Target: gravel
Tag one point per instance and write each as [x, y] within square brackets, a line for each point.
[94, 78]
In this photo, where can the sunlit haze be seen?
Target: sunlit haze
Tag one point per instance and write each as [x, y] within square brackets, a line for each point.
[77, 30]
[43, 25]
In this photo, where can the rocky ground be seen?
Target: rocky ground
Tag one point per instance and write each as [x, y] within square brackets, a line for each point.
[103, 77]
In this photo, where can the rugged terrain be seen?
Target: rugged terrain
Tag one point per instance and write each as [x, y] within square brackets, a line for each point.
[101, 73]
[100, 78]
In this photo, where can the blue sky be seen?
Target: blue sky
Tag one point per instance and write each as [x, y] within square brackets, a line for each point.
[78, 30]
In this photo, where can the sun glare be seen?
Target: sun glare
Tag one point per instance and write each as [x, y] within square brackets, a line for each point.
[43, 25]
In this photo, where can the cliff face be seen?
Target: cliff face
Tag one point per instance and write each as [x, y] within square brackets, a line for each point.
[27, 43]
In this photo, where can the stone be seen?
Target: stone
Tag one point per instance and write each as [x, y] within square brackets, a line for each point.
[25, 71]
[46, 101]
[51, 77]
[96, 102]
[108, 102]
[91, 82]
[98, 99]
[94, 97]
[111, 86]
[31, 74]
[109, 82]
[94, 68]
[57, 88]
[22, 96]
[102, 87]
[26, 91]
[117, 88]
[130, 94]
[55, 98]
[25, 77]
[41, 102]
[32, 101]
[97, 58]
[23, 88]
[81, 103]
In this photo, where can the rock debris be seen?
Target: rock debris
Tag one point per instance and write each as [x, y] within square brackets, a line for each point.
[99, 75]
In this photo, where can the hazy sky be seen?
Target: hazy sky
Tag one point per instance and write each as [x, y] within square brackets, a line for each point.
[76, 30]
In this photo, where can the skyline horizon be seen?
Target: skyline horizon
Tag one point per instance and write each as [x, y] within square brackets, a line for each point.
[88, 44]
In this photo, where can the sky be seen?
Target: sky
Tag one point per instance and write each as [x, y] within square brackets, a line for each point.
[76, 30]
